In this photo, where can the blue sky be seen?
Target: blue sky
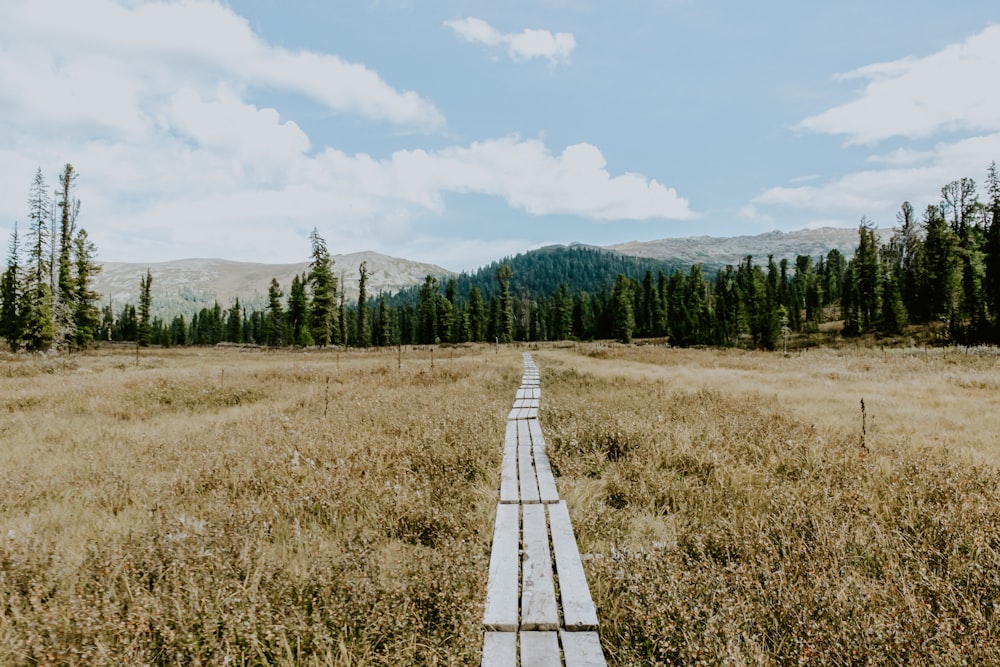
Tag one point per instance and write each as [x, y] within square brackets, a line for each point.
[460, 132]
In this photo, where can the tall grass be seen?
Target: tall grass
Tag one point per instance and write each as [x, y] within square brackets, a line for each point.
[224, 507]
[200, 509]
[723, 527]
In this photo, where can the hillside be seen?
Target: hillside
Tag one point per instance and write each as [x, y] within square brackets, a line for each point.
[716, 252]
[186, 286]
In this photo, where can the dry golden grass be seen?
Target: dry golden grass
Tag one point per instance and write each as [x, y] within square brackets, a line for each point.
[734, 515]
[210, 507]
[226, 507]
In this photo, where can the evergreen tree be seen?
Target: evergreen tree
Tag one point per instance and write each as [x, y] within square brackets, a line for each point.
[867, 282]
[383, 327]
[624, 309]
[342, 329]
[477, 315]
[992, 247]
[562, 308]
[298, 313]
[324, 290]
[364, 326]
[10, 297]
[427, 317]
[86, 316]
[274, 323]
[64, 295]
[234, 323]
[143, 331]
[940, 267]
[506, 331]
[36, 304]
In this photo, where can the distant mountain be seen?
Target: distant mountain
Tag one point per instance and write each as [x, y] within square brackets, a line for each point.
[185, 286]
[716, 252]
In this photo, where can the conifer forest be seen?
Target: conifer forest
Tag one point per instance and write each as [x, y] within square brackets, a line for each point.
[938, 269]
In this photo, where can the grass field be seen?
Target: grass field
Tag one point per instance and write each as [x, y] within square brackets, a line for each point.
[227, 506]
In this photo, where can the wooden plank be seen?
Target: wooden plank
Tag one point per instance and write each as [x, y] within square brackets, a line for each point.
[537, 440]
[510, 437]
[547, 492]
[500, 649]
[538, 598]
[579, 612]
[582, 649]
[508, 474]
[540, 649]
[526, 475]
[502, 590]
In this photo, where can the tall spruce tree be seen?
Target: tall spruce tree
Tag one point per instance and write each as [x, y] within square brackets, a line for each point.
[10, 295]
[324, 290]
[274, 322]
[506, 332]
[364, 325]
[298, 313]
[624, 309]
[86, 316]
[36, 295]
[143, 332]
[65, 292]
[992, 247]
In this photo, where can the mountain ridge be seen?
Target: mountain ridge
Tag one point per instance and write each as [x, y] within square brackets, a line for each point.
[185, 286]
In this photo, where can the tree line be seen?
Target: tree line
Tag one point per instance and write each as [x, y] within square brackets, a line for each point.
[940, 269]
[46, 290]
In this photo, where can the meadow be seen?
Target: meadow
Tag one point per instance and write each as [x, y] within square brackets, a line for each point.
[229, 506]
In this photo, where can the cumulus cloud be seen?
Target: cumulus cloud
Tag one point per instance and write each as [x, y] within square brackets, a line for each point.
[525, 45]
[919, 97]
[941, 110]
[175, 160]
[136, 53]
[878, 193]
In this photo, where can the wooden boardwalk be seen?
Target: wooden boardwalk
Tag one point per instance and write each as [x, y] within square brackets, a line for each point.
[538, 605]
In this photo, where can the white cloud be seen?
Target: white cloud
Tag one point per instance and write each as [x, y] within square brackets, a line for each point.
[877, 193]
[950, 90]
[530, 177]
[174, 159]
[121, 58]
[522, 46]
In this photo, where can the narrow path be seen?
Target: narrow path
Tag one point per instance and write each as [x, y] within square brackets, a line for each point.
[538, 606]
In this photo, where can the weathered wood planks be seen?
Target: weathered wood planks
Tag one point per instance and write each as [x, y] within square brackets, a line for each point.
[502, 587]
[578, 608]
[526, 623]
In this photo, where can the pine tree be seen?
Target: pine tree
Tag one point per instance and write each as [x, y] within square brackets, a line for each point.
[65, 292]
[36, 294]
[298, 313]
[274, 324]
[234, 323]
[10, 296]
[992, 247]
[86, 316]
[506, 332]
[383, 327]
[939, 280]
[427, 316]
[324, 290]
[477, 315]
[364, 326]
[624, 310]
[143, 333]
